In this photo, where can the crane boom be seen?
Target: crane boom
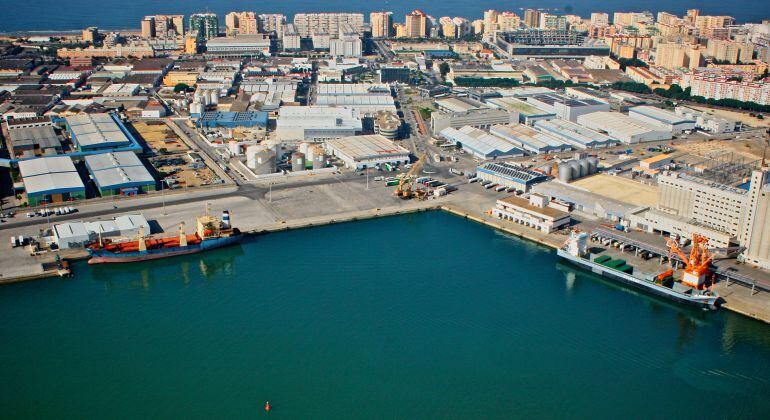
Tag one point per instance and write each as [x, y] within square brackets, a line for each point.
[404, 189]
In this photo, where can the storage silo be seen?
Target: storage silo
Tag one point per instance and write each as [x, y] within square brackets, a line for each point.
[574, 169]
[297, 162]
[593, 165]
[565, 172]
[319, 158]
[196, 108]
[584, 167]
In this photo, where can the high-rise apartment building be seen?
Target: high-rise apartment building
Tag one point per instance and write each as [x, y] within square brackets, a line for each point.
[635, 19]
[271, 23]
[672, 55]
[532, 18]
[447, 27]
[417, 25]
[241, 23]
[346, 43]
[549, 21]
[399, 30]
[290, 38]
[382, 24]
[600, 19]
[308, 23]
[704, 23]
[730, 51]
[90, 34]
[206, 24]
[508, 21]
[162, 26]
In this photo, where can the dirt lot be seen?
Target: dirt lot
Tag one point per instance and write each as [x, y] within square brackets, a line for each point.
[158, 136]
[619, 188]
[749, 149]
[743, 117]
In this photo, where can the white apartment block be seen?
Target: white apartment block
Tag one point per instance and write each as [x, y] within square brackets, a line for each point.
[308, 23]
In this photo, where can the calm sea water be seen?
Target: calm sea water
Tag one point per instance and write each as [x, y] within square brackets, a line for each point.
[421, 316]
[55, 15]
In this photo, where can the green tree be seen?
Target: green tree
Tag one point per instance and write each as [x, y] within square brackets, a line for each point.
[444, 68]
[181, 87]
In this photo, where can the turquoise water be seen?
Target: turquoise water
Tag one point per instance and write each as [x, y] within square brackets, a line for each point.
[420, 316]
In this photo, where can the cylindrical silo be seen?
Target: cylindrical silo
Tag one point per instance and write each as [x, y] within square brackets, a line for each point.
[584, 167]
[593, 165]
[565, 172]
[297, 162]
[574, 169]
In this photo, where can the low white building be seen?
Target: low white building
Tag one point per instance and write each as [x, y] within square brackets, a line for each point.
[623, 128]
[533, 213]
[661, 118]
[361, 152]
[316, 123]
[77, 234]
[708, 122]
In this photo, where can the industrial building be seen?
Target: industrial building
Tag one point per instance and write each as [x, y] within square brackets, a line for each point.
[622, 127]
[316, 123]
[238, 46]
[91, 132]
[51, 180]
[78, 234]
[478, 118]
[533, 212]
[458, 104]
[214, 119]
[394, 74]
[708, 122]
[366, 99]
[530, 139]
[388, 124]
[527, 113]
[33, 141]
[119, 173]
[480, 144]
[362, 152]
[661, 118]
[575, 134]
[565, 107]
[509, 175]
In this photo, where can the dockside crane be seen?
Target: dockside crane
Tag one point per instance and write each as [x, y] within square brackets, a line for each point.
[697, 263]
[404, 189]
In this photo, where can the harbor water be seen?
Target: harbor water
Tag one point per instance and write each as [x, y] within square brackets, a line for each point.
[416, 316]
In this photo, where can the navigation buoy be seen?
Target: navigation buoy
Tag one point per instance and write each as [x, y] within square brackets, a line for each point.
[267, 405]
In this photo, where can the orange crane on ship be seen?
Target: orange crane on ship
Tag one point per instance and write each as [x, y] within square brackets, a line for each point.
[696, 263]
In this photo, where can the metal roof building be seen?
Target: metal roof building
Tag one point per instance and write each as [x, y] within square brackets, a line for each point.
[119, 173]
[622, 127]
[97, 131]
[528, 113]
[530, 139]
[661, 118]
[566, 107]
[317, 123]
[366, 99]
[51, 180]
[77, 234]
[26, 141]
[509, 175]
[480, 143]
[574, 134]
[212, 119]
[361, 152]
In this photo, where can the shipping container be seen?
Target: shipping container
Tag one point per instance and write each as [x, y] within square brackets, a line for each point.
[602, 259]
[626, 269]
[472, 180]
[391, 183]
[500, 188]
[490, 186]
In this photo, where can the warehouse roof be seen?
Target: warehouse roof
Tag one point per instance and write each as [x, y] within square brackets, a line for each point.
[512, 171]
[514, 104]
[529, 138]
[480, 141]
[50, 175]
[616, 123]
[118, 169]
[96, 130]
[574, 133]
[319, 117]
[552, 99]
[661, 115]
[43, 137]
[326, 89]
[525, 204]
[366, 147]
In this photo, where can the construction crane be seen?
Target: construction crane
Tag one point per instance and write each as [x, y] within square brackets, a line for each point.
[404, 189]
[697, 263]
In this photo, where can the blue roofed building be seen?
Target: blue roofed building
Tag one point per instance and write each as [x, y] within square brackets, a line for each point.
[509, 175]
[119, 173]
[229, 119]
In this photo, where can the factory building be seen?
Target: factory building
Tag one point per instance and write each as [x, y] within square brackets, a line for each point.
[214, 119]
[478, 118]
[366, 99]
[394, 74]
[565, 107]
[574, 134]
[33, 141]
[622, 127]
[51, 180]
[527, 113]
[119, 173]
[708, 122]
[78, 234]
[238, 46]
[458, 104]
[90, 132]
[661, 118]
[480, 143]
[529, 139]
[316, 123]
[362, 152]
[509, 175]
[533, 212]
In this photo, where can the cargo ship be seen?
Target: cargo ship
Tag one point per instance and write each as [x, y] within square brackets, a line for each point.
[690, 290]
[211, 233]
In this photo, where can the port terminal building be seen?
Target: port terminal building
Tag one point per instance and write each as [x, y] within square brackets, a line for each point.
[78, 234]
[51, 180]
[533, 212]
[362, 152]
[509, 175]
[481, 144]
[119, 173]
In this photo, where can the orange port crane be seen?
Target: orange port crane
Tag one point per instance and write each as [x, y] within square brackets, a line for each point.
[404, 189]
[697, 263]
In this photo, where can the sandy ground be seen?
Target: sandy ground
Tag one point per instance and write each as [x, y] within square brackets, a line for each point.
[159, 136]
[743, 117]
[619, 188]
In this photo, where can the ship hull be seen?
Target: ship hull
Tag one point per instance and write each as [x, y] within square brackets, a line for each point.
[704, 302]
[107, 257]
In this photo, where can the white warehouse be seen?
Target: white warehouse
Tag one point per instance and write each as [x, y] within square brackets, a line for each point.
[622, 127]
[661, 118]
[362, 152]
[316, 123]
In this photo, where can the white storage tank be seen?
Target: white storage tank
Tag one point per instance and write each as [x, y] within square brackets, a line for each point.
[584, 167]
[574, 169]
[565, 172]
[213, 97]
[593, 165]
